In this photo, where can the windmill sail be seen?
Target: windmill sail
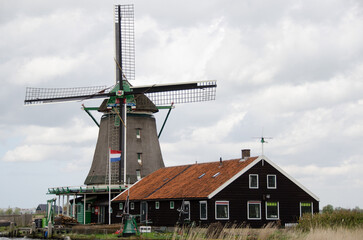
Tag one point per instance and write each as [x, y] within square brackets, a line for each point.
[165, 94]
[124, 42]
[54, 95]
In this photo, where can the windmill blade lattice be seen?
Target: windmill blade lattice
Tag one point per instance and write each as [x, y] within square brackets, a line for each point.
[54, 95]
[125, 40]
[165, 94]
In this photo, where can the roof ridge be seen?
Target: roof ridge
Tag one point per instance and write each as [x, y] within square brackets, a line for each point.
[209, 162]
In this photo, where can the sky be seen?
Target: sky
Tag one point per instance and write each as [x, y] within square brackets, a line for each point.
[288, 70]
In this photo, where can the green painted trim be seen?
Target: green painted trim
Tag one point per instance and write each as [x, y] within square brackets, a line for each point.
[164, 107]
[89, 114]
[166, 118]
[91, 108]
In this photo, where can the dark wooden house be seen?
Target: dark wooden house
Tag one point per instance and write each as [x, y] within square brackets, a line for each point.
[250, 190]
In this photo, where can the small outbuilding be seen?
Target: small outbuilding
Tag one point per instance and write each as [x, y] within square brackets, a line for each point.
[250, 190]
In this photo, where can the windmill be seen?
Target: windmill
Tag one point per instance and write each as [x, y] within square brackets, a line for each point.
[127, 123]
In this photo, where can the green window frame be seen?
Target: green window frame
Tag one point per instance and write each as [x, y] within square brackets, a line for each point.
[138, 133]
[139, 158]
[121, 206]
[171, 204]
[157, 205]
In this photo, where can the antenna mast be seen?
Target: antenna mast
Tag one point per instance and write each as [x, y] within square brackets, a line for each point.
[263, 141]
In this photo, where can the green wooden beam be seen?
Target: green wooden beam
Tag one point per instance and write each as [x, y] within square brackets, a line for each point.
[164, 107]
[166, 118]
[89, 114]
[91, 108]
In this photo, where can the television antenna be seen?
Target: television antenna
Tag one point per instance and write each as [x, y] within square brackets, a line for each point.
[263, 141]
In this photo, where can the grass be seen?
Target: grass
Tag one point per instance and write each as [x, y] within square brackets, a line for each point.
[272, 233]
[337, 225]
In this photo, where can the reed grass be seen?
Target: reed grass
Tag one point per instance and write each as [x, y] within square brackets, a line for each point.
[338, 219]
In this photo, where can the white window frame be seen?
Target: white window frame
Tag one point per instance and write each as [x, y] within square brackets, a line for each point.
[121, 206]
[172, 203]
[272, 175]
[248, 209]
[249, 181]
[278, 210]
[187, 203]
[312, 207]
[132, 205]
[157, 205]
[200, 210]
[220, 203]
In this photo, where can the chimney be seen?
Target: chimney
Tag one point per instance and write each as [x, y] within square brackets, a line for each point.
[246, 153]
[220, 161]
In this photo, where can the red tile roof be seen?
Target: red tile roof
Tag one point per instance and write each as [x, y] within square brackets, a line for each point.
[185, 181]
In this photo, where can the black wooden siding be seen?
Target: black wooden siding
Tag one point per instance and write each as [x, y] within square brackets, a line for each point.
[238, 193]
[287, 193]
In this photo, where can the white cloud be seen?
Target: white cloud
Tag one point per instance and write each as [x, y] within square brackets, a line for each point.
[218, 131]
[183, 52]
[64, 143]
[34, 153]
[42, 69]
[75, 132]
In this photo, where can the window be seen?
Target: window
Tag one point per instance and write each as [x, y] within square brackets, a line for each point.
[157, 205]
[171, 204]
[121, 206]
[222, 210]
[306, 207]
[203, 210]
[254, 210]
[132, 206]
[138, 130]
[139, 159]
[215, 175]
[201, 176]
[79, 210]
[253, 180]
[138, 174]
[187, 210]
[271, 181]
[272, 210]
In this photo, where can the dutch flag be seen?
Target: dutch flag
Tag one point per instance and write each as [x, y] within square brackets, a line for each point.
[115, 155]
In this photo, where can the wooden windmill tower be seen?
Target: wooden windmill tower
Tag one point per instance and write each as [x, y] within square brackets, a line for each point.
[127, 123]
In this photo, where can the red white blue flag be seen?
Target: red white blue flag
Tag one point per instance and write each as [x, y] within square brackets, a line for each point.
[115, 155]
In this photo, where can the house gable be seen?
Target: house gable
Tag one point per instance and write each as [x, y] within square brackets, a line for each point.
[251, 165]
[287, 197]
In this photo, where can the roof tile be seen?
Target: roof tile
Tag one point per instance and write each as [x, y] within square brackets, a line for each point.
[184, 182]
